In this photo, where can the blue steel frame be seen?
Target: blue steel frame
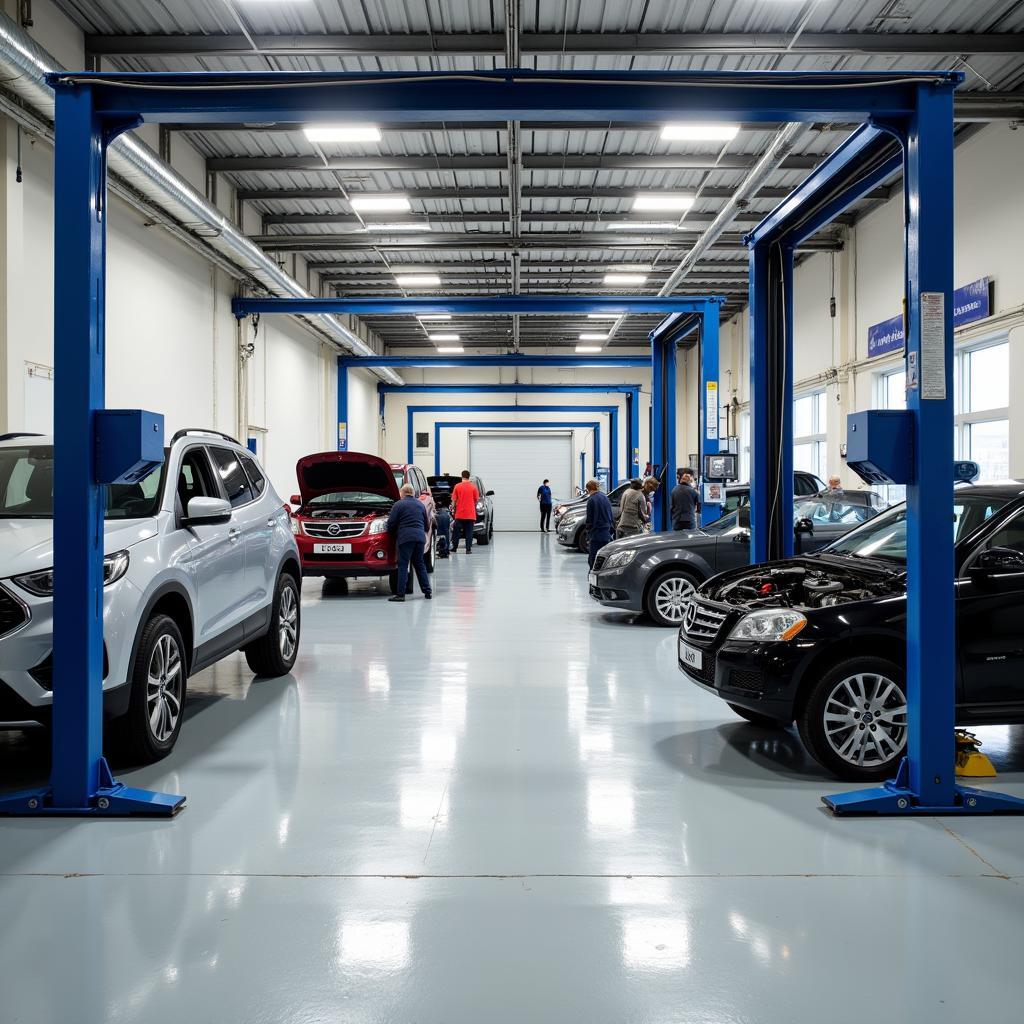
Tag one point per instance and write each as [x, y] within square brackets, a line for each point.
[665, 341]
[631, 392]
[611, 411]
[593, 425]
[93, 108]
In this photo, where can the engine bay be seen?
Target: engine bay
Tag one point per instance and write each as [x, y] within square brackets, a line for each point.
[343, 512]
[798, 586]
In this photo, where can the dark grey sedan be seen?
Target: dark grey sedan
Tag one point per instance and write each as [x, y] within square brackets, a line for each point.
[656, 573]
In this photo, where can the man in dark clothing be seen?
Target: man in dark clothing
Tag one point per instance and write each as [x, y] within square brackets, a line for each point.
[544, 497]
[599, 519]
[685, 502]
[408, 524]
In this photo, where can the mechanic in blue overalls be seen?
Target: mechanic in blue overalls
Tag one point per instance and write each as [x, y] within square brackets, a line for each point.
[600, 520]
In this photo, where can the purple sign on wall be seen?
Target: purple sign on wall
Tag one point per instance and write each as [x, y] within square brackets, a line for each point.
[970, 303]
[885, 337]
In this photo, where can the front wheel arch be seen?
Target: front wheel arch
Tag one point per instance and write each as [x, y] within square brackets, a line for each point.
[659, 575]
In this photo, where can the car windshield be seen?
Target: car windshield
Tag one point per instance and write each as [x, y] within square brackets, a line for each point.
[399, 476]
[336, 498]
[26, 487]
[828, 512]
[885, 536]
[727, 523]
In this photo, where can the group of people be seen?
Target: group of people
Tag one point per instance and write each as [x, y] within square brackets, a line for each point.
[409, 524]
[635, 509]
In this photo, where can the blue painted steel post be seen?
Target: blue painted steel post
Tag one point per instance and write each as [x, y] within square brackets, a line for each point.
[633, 432]
[657, 421]
[710, 398]
[931, 615]
[79, 198]
[783, 520]
[760, 411]
[342, 438]
[670, 354]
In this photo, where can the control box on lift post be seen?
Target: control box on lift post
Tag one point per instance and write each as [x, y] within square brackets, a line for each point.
[879, 445]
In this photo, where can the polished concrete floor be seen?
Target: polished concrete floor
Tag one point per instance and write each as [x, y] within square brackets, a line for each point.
[504, 805]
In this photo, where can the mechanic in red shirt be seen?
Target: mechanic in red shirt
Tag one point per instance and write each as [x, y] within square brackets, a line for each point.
[464, 499]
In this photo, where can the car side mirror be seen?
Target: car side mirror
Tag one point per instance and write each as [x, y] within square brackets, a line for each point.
[998, 569]
[490, 494]
[803, 526]
[741, 537]
[296, 499]
[207, 512]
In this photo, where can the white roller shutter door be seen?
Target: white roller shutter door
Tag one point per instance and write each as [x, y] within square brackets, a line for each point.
[513, 464]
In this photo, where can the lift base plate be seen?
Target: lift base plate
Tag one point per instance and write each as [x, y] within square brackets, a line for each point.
[892, 799]
[112, 799]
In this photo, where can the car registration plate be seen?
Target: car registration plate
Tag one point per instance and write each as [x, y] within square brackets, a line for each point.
[332, 549]
[690, 656]
[592, 579]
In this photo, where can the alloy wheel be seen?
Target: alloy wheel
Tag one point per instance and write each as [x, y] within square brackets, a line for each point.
[865, 719]
[288, 622]
[671, 597]
[164, 688]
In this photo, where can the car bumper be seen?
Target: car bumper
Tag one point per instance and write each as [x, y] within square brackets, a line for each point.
[26, 653]
[369, 556]
[568, 537]
[760, 677]
[616, 590]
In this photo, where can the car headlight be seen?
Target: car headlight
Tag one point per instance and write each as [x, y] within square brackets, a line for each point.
[378, 526]
[619, 559]
[41, 583]
[559, 510]
[768, 624]
[479, 506]
[296, 528]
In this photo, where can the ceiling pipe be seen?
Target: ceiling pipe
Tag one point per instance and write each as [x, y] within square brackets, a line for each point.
[23, 65]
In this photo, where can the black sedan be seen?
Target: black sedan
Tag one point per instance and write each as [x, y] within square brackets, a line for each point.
[657, 573]
[821, 639]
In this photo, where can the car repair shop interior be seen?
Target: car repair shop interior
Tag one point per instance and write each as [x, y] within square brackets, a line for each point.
[647, 353]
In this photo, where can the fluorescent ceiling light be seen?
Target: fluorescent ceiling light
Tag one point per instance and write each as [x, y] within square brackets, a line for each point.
[593, 337]
[624, 278]
[418, 280]
[450, 349]
[643, 225]
[640, 268]
[380, 204]
[342, 133]
[434, 316]
[663, 201]
[603, 316]
[402, 225]
[699, 132]
[444, 337]
[588, 348]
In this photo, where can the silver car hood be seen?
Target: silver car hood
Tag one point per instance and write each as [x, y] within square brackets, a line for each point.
[26, 545]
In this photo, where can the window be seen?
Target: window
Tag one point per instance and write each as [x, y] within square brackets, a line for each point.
[810, 439]
[256, 478]
[194, 479]
[236, 484]
[1009, 536]
[982, 399]
[892, 394]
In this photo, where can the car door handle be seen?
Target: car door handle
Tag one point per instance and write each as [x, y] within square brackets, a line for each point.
[234, 534]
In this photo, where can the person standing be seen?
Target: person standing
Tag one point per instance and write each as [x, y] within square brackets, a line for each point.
[632, 510]
[409, 524]
[651, 485]
[685, 502]
[464, 501]
[599, 519]
[544, 497]
[834, 489]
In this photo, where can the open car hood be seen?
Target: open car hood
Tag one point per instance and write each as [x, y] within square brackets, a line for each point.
[339, 472]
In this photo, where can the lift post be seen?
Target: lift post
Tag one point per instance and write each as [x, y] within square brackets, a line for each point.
[702, 319]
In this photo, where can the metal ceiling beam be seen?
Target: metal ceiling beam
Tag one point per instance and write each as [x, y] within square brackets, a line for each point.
[552, 266]
[498, 162]
[493, 43]
[693, 222]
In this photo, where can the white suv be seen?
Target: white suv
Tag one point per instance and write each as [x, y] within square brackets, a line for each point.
[200, 562]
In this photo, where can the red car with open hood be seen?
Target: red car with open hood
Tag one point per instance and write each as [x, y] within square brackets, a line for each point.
[341, 522]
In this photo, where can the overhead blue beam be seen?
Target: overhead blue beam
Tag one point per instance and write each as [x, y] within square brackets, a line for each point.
[507, 95]
[446, 362]
[484, 304]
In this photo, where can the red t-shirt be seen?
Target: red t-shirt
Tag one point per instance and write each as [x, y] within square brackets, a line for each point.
[464, 499]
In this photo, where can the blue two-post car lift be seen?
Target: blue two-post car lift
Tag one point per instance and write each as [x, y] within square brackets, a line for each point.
[913, 108]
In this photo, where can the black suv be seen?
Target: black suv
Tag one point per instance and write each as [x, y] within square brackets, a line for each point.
[441, 488]
[822, 638]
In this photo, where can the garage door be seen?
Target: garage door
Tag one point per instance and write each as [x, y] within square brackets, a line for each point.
[513, 464]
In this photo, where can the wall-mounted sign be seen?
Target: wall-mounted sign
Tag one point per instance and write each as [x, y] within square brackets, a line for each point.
[342, 437]
[970, 303]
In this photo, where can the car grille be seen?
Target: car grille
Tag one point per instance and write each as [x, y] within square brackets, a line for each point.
[334, 530]
[599, 561]
[706, 623]
[752, 682]
[706, 672]
[12, 613]
[352, 557]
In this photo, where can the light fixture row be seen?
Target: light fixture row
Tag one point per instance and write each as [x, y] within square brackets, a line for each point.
[354, 132]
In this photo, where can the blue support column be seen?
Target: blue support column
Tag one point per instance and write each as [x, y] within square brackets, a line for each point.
[342, 438]
[633, 432]
[782, 513]
[710, 398]
[80, 780]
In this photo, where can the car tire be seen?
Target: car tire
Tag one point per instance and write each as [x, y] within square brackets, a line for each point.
[583, 541]
[485, 539]
[490, 530]
[148, 730]
[865, 734]
[430, 556]
[667, 596]
[393, 581]
[274, 653]
[756, 718]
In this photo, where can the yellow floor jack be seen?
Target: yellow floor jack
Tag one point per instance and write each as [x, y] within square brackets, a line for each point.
[971, 763]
